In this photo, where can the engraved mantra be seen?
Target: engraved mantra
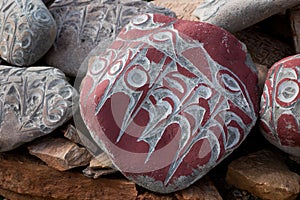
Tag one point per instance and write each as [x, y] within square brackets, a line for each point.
[20, 20]
[173, 89]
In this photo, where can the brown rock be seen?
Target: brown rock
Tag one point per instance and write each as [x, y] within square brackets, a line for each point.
[295, 25]
[265, 175]
[60, 153]
[30, 179]
[182, 8]
[262, 75]
[72, 134]
[96, 173]
[101, 161]
[203, 189]
[263, 48]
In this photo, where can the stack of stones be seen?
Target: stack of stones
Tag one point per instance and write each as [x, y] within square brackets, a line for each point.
[125, 85]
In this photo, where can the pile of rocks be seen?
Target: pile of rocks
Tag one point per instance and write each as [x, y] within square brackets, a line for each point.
[154, 103]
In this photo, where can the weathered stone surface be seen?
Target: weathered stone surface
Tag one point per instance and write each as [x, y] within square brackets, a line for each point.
[83, 25]
[101, 161]
[280, 105]
[180, 83]
[201, 190]
[262, 76]
[31, 179]
[182, 8]
[96, 173]
[265, 175]
[72, 134]
[295, 24]
[264, 49]
[235, 15]
[27, 31]
[60, 153]
[33, 102]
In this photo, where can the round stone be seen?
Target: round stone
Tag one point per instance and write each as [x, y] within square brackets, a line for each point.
[280, 105]
[182, 97]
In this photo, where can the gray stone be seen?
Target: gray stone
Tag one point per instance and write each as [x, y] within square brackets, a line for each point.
[82, 25]
[27, 31]
[235, 15]
[60, 153]
[33, 102]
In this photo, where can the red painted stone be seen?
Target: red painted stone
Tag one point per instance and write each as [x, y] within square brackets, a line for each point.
[169, 100]
[280, 105]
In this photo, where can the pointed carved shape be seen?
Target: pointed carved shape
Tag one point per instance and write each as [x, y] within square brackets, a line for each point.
[170, 99]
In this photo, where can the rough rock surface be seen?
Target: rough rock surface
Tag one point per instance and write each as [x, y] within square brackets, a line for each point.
[295, 25]
[24, 178]
[280, 105]
[60, 153]
[33, 102]
[83, 25]
[182, 8]
[265, 175]
[235, 15]
[263, 48]
[180, 83]
[27, 31]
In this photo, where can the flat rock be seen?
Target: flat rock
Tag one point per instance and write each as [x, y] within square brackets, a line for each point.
[265, 175]
[263, 48]
[27, 29]
[101, 161]
[83, 25]
[33, 102]
[72, 133]
[280, 105]
[201, 190]
[60, 153]
[182, 8]
[28, 179]
[180, 83]
[235, 15]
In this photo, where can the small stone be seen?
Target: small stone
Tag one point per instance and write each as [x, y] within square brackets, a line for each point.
[169, 100]
[72, 134]
[203, 189]
[263, 48]
[265, 175]
[27, 29]
[295, 25]
[182, 8]
[83, 25]
[235, 15]
[97, 173]
[27, 178]
[280, 105]
[33, 103]
[60, 153]
[101, 161]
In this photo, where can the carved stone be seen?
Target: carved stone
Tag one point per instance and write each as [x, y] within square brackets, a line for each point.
[235, 15]
[280, 105]
[263, 48]
[27, 31]
[33, 102]
[60, 153]
[82, 25]
[169, 100]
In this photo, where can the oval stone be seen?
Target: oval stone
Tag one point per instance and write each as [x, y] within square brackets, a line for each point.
[280, 105]
[34, 101]
[169, 100]
[27, 29]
